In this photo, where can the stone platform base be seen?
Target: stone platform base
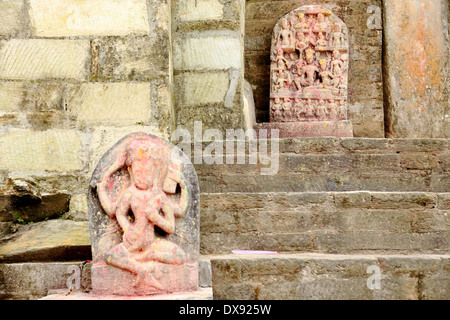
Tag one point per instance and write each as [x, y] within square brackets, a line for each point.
[107, 280]
[338, 129]
[201, 294]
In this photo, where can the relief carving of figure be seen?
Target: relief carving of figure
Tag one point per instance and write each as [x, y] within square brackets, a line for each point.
[276, 109]
[337, 64]
[322, 25]
[308, 77]
[314, 66]
[321, 110]
[286, 37]
[337, 38]
[309, 109]
[142, 207]
[332, 110]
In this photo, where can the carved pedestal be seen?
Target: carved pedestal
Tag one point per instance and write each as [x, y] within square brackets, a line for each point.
[144, 219]
[309, 75]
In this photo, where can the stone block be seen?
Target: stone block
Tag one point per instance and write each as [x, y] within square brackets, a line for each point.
[191, 10]
[140, 58]
[30, 204]
[35, 280]
[116, 104]
[52, 240]
[44, 59]
[208, 52]
[32, 151]
[11, 17]
[202, 88]
[11, 96]
[65, 18]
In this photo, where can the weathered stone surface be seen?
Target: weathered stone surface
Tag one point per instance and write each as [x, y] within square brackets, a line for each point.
[218, 52]
[52, 240]
[64, 18]
[202, 88]
[141, 58]
[192, 10]
[35, 280]
[308, 129]
[415, 68]
[10, 17]
[11, 96]
[34, 151]
[112, 103]
[44, 59]
[335, 277]
[78, 208]
[144, 240]
[23, 201]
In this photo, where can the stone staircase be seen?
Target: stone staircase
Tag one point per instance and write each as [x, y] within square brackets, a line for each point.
[336, 210]
[339, 214]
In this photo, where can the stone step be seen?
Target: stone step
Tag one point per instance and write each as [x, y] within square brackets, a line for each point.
[327, 222]
[329, 276]
[34, 280]
[331, 164]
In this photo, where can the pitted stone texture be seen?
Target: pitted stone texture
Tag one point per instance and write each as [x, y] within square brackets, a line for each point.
[44, 59]
[169, 240]
[66, 18]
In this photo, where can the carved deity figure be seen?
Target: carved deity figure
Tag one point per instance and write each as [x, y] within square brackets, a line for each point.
[337, 64]
[332, 110]
[342, 110]
[143, 207]
[337, 37]
[309, 109]
[322, 25]
[276, 109]
[310, 69]
[321, 110]
[286, 37]
[321, 41]
[302, 25]
[286, 107]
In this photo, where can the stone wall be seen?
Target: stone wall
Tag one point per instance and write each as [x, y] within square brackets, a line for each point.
[74, 78]
[365, 88]
[208, 63]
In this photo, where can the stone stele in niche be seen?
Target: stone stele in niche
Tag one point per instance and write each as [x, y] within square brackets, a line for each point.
[309, 72]
[144, 219]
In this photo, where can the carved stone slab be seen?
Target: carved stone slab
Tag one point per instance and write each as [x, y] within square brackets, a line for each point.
[309, 67]
[144, 219]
